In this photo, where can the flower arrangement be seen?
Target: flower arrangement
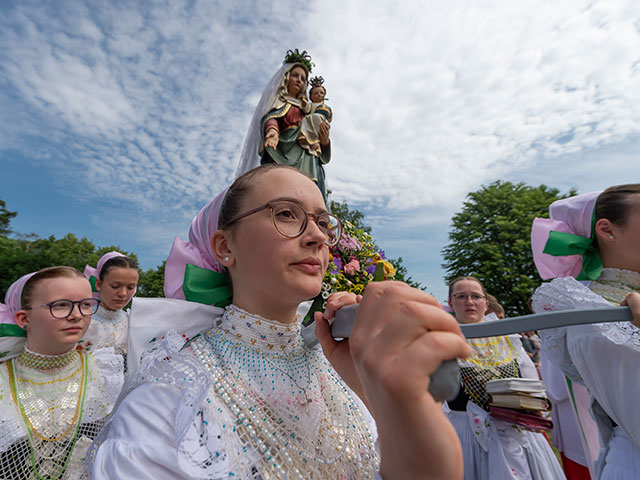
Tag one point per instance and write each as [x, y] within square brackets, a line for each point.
[354, 262]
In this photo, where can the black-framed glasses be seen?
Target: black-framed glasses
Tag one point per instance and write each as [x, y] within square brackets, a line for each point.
[474, 297]
[290, 220]
[63, 308]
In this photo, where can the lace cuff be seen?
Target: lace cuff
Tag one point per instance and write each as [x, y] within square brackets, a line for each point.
[563, 294]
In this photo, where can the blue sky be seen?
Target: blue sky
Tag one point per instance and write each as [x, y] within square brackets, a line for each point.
[119, 120]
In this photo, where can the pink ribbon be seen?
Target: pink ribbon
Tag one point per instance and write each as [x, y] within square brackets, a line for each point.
[572, 215]
[197, 251]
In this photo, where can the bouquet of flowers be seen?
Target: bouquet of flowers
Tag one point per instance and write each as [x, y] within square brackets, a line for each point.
[353, 262]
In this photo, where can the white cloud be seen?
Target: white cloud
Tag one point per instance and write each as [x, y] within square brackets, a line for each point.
[431, 100]
[430, 103]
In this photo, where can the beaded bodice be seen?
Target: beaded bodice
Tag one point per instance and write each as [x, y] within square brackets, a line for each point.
[108, 328]
[49, 416]
[614, 284]
[294, 417]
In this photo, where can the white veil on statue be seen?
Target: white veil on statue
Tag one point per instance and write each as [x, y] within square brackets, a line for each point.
[250, 157]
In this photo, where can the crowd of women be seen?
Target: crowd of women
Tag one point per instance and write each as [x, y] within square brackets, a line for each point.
[222, 384]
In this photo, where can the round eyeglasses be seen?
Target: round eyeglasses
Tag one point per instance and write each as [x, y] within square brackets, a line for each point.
[63, 308]
[290, 220]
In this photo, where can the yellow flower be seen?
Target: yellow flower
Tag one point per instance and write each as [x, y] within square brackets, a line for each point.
[389, 269]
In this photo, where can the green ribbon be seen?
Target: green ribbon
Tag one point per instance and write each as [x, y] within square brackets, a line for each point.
[206, 286]
[92, 281]
[10, 330]
[561, 244]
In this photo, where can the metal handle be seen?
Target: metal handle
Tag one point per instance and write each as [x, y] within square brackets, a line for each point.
[445, 381]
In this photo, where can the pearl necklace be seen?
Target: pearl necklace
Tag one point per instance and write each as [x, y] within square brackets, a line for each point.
[320, 433]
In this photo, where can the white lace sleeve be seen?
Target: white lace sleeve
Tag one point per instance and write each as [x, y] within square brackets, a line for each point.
[604, 357]
[106, 377]
[141, 442]
[161, 428]
[563, 294]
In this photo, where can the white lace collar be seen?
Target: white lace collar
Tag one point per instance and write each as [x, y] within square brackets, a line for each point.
[261, 333]
[109, 316]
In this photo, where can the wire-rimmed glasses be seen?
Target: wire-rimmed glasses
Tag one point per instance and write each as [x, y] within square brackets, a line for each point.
[290, 220]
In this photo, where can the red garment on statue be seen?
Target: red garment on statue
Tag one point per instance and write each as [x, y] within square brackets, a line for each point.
[292, 118]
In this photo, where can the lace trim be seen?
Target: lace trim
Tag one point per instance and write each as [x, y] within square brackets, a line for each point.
[569, 294]
[109, 316]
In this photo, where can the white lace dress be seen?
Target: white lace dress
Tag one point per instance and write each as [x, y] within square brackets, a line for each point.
[244, 400]
[51, 408]
[494, 449]
[603, 357]
[108, 328]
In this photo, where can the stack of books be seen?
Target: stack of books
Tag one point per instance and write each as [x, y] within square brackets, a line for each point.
[521, 401]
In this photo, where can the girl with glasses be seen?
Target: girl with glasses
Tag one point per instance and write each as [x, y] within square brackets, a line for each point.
[115, 278]
[604, 272]
[492, 448]
[53, 398]
[247, 398]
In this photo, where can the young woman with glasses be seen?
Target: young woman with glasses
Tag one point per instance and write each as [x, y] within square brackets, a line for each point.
[247, 398]
[53, 398]
[492, 448]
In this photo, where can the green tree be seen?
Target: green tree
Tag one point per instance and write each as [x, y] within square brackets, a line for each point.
[344, 213]
[28, 254]
[5, 218]
[152, 282]
[490, 240]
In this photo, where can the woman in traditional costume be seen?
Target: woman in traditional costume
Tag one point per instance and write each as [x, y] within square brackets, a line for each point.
[593, 237]
[53, 398]
[493, 448]
[247, 398]
[115, 278]
[276, 133]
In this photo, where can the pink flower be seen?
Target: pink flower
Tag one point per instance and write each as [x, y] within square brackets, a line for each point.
[352, 267]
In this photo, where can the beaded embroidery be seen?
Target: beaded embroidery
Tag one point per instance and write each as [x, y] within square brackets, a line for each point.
[49, 416]
[257, 368]
[31, 359]
[51, 449]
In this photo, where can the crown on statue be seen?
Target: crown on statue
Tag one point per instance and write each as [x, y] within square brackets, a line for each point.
[295, 56]
[317, 82]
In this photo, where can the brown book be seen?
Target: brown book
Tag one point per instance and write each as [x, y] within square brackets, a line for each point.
[520, 400]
